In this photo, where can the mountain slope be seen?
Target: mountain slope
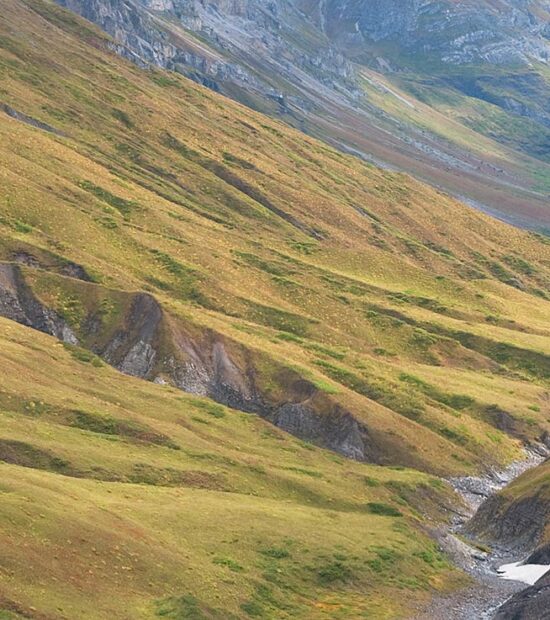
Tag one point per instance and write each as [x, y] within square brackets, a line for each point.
[504, 33]
[242, 228]
[158, 228]
[456, 94]
[125, 499]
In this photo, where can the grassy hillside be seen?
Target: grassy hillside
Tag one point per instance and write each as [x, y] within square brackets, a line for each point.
[491, 135]
[305, 279]
[125, 499]
[478, 130]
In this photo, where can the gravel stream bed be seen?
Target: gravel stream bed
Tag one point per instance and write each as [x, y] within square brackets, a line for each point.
[488, 591]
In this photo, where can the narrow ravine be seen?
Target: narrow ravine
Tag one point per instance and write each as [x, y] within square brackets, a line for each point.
[489, 589]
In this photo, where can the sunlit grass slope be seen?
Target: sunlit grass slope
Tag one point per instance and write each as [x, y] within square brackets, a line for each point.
[126, 499]
[370, 282]
[424, 319]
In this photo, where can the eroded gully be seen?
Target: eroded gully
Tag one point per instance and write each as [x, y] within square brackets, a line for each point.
[488, 591]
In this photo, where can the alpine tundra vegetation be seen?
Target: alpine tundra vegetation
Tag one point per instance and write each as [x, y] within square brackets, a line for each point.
[455, 92]
[246, 373]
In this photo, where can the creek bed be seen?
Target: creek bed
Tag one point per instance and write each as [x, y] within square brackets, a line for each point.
[489, 589]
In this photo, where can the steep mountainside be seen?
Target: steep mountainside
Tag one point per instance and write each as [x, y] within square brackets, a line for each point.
[264, 351]
[494, 52]
[503, 33]
[456, 93]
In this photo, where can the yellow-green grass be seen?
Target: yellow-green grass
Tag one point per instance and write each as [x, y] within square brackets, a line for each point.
[468, 122]
[352, 274]
[225, 510]
[399, 303]
[441, 119]
[412, 421]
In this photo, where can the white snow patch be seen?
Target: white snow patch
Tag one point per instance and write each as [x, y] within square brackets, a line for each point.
[526, 573]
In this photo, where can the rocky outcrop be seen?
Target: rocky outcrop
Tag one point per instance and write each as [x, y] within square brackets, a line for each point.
[19, 116]
[18, 303]
[509, 33]
[512, 31]
[248, 42]
[458, 33]
[530, 604]
[132, 348]
[477, 35]
[540, 556]
[299, 53]
[148, 31]
[146, 342]
[131, 27]
[63, 267]
[159, 348]
[517, 525]
[29, 255]
[339, 431]
[514, 522]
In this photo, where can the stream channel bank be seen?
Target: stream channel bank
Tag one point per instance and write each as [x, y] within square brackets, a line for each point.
[488, 590]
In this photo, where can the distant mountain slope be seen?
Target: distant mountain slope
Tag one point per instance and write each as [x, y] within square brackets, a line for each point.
[456, 93]
[493, 52]
[501, 33]
[290, 318]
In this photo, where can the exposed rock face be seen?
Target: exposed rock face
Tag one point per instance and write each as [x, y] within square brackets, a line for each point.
[305, 61]
[129, 26]
[516, 522]
[340, 432]
[206, 365]
[147, 343]
[18, 303]
[530, 604]
[458, 32]
[479, 35]
[540, 556]
[19, 116]
[155, 30]
[321, 38]
[517, 526]
[132, 350]
[66, 268]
